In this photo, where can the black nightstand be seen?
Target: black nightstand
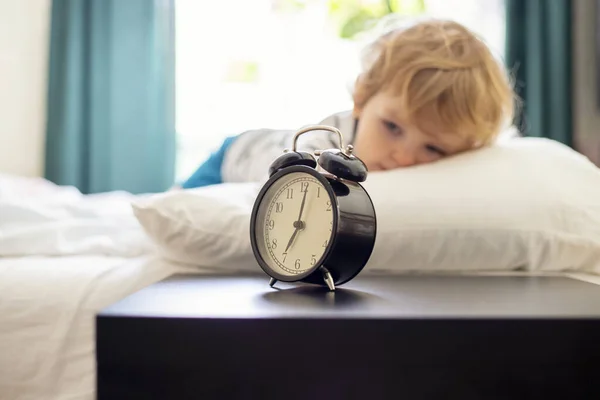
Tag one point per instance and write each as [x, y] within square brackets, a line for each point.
[378, 337]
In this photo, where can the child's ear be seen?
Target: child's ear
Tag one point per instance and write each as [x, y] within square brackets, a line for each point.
[356, 111]
[359, 105]
[358, 98]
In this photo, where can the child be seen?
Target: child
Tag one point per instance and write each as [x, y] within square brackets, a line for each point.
[427, 92]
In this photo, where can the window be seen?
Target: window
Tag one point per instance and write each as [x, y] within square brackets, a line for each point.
[283, 63]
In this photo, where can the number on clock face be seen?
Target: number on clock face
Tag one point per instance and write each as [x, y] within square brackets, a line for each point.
[295, 223]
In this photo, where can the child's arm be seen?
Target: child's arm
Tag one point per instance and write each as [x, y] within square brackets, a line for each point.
[209, 172]
[249, 157]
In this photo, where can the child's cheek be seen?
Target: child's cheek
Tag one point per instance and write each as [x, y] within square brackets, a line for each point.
[384, 140]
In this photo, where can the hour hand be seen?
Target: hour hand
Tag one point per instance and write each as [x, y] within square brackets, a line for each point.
[291, 240]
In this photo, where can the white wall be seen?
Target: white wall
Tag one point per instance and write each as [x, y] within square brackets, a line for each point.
[586, 114]
[24, 34]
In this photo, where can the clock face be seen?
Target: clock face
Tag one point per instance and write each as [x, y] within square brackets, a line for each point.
[294, 224]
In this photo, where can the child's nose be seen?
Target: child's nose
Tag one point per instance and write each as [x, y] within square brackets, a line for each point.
[404, 157]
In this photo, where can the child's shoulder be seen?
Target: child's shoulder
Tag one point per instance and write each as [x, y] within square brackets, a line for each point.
[252, 151]
[342, 120]
[345, 122]
[282, 138]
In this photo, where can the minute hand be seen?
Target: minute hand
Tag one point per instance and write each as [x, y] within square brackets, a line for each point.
[297, 224]
[302, 205]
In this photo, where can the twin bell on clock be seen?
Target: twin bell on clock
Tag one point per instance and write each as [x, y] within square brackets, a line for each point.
[312, 221]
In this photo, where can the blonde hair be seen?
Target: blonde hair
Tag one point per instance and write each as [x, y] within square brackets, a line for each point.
[442, 70]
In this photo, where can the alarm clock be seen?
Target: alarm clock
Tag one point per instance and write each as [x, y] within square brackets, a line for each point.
[313, 221]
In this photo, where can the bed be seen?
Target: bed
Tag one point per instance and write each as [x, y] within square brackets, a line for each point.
[47, 309]
[65, 256]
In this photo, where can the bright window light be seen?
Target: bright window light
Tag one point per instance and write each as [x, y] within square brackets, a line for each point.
[283, 63]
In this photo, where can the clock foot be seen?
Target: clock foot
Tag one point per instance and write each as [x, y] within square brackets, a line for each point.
[272, 282]
[328, 279]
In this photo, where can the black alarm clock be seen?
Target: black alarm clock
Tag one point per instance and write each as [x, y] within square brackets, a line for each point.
[312, 221]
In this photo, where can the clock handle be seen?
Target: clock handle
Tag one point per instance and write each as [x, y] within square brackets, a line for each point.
[347, 150]
[339, 162]
[295, 157]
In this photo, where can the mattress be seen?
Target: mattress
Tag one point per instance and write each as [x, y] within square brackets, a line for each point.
[47, 319]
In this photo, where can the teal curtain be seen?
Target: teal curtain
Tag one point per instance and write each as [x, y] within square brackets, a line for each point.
[111, 95]
[538, 53]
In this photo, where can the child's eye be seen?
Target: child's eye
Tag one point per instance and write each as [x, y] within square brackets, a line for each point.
[436, 150]
[392, 127]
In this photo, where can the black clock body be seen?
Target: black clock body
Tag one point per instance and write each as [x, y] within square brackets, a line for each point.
[353, 233]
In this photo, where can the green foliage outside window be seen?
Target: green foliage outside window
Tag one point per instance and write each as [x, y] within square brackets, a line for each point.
[355, 16]
[350, 18]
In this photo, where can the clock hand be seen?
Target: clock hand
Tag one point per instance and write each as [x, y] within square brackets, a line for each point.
[291, 239]
[298, 224]
[302, 205]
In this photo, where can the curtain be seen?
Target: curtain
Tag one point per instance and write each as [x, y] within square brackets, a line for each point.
[111, 100]
[538, 53]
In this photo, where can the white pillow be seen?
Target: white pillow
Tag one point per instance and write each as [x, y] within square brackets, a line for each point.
[527, 203]
[206, 227]
[524, 203]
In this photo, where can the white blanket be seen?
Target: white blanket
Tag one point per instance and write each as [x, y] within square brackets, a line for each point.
[47, 320]
[42, 219]
[64, 256]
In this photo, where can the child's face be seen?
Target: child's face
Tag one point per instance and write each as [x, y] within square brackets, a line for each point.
[384, 140]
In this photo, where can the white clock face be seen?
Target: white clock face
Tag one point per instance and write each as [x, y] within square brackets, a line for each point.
[294, 224]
